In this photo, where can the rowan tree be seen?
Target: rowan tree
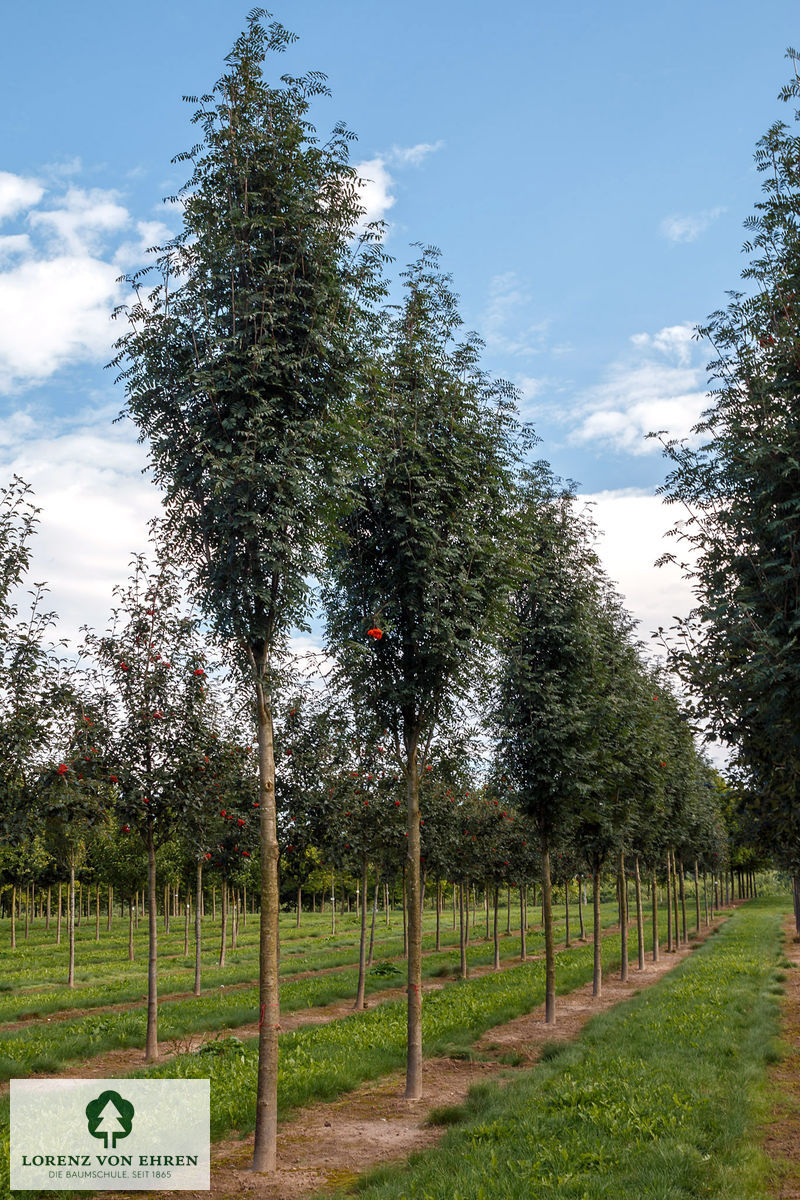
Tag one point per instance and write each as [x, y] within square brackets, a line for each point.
[418, 584]
[237, 368]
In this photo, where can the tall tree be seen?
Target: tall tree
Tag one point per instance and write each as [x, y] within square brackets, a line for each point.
[418, 585]
[739, 649]
[237, 368]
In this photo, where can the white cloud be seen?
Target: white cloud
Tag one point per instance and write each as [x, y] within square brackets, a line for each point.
[14, 245]
[687, 228]
[413, 155]
[660, 389]
[375, 184]
[52, 312]
[87, 479]
[83, 219]
[503, 326]
[17, 194]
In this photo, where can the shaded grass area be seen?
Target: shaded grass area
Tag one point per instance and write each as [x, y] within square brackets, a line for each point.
[658, 1100]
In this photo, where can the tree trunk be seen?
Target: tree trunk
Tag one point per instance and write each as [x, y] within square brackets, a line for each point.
[47, 914]
[597, 980]
[413, 893]
[580, 909]
[130, 929]
[374, 916]
[508, 910]
[462, 940]
[438, 914]
[223, 947]
[27, 911]
[198, 928]
[549, 947]
[697, 893]
[455, 889]
[495, 928]
[677, 937]
[13, 916]
[362, 946]
[71, 923]
[333, 901]
[186, 926]
[110, 913]
[639, 912]
[58, 918]
[266, 1131]
[682, 879]
[622, 888]
[151, 1043]
[299, 906]
[654, 888]
[97, 912]
[670, 946]
[567, 939]
[523, 946]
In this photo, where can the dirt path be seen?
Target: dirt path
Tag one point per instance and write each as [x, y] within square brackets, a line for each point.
[329, 1144]
[781, 1140]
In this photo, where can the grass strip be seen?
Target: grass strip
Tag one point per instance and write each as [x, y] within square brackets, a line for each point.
[657, 1100]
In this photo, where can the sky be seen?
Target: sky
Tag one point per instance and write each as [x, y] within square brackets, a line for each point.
[585, 171]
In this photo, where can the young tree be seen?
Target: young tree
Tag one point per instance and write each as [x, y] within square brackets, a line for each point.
[238, 371]
[418, 585]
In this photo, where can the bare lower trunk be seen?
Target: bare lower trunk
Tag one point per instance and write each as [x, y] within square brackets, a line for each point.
[223, 943]
[677, 929]
[58, 918]
[299, 906]
[130, 929]
[71, 924]
[266, 1131]
[97, 912]
[580, 909]
[495, 929]
[549, 946]
[623, 919]
[414, 896]
[151, 1042]
[186, 926]
[697, 894]
[362, 947]
[523, 946]
[374, 916]
[198, 928]
[654, 889]
[110, 908]
[462, 939]
[438, 914]
[597, 980]
[639, 912]
[14, 917]
[567, 939]
[670, 946]
[682, 881]
[47, 915]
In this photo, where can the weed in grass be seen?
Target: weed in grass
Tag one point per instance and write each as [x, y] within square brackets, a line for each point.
[550, 1051]
[447, 1115]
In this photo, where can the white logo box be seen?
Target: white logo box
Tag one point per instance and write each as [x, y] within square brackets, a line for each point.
[110, 1134]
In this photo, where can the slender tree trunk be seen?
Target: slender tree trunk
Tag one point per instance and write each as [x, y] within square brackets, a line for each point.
[151, 1043]
[386, 902]
[637, 880]
[333, 901]
[495, 928]
[186, 926]
[266, 1132]
[697, 893]
[71, 923]
[234, 922]
[705, 897]
[223, 948]
[362, 946]
[299, 906]
[13, 916]
[462, 940]
[110, 913]
[623, 919]
[198, 928]
[414, 894]
[682, 879]
[455, 889]
[213, 903]
[549, 944]
[438, 914]
[130, 929]
[97, 912]
[654, 890]
[677, 938]
[670, 944]
[466, 913]
[597, 981]
[374, 915]
[166, 908]
[508, 910]
[567, 939]
[796, 896]
[580, 909]
[27, 910]
[58, 918]
[47, 914]
[523, 944]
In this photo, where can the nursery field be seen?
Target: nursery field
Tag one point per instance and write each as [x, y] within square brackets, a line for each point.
[659, 1096]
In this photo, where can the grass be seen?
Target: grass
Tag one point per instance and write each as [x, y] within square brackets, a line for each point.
[657, 1100]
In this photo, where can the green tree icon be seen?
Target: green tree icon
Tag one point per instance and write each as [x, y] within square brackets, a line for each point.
[109, 1116]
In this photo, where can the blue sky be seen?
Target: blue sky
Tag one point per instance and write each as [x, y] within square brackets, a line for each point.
[585, 171]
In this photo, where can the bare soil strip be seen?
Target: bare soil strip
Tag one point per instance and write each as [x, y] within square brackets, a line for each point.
[330, 1144]
[781, 1139]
